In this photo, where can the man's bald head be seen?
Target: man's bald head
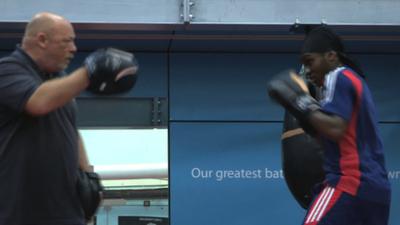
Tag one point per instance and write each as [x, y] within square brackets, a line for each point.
[43, 22]
[49, 41]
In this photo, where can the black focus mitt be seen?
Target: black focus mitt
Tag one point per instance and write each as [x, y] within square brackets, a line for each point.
[89, 191]
[111, 71]
[290, 90]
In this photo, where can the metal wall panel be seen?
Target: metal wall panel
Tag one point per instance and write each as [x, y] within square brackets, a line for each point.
[288, 11]
[95, 11]
[120, 112]
[211, 12]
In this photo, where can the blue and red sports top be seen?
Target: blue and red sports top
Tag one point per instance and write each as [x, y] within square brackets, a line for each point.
[355, 164]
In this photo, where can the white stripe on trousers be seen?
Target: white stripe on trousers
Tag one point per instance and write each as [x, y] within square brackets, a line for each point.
[320, 206]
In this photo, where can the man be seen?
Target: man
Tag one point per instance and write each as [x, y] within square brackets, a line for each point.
[356, 190]
[40, 148]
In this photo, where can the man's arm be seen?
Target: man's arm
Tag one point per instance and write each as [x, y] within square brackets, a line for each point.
[83, 158]
[108, 71]
[290, 91]
[331, 126]
[57, 92]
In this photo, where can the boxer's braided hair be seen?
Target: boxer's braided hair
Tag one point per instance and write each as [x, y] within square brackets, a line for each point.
[321, 39]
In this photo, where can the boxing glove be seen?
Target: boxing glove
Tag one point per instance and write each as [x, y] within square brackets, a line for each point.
[111, 71]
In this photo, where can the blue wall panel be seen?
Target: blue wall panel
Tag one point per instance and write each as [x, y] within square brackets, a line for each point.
[382, 73]
[207, 86]
[390, 134]
[224, 86]
[259, 198]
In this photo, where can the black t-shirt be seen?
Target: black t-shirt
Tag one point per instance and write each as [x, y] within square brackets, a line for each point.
[38, 155]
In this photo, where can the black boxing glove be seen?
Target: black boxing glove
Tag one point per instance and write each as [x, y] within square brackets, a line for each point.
[111, 71]
[89, 191]
[290, 90]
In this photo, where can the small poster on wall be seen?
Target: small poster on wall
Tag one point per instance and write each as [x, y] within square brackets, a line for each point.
[139, 220]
